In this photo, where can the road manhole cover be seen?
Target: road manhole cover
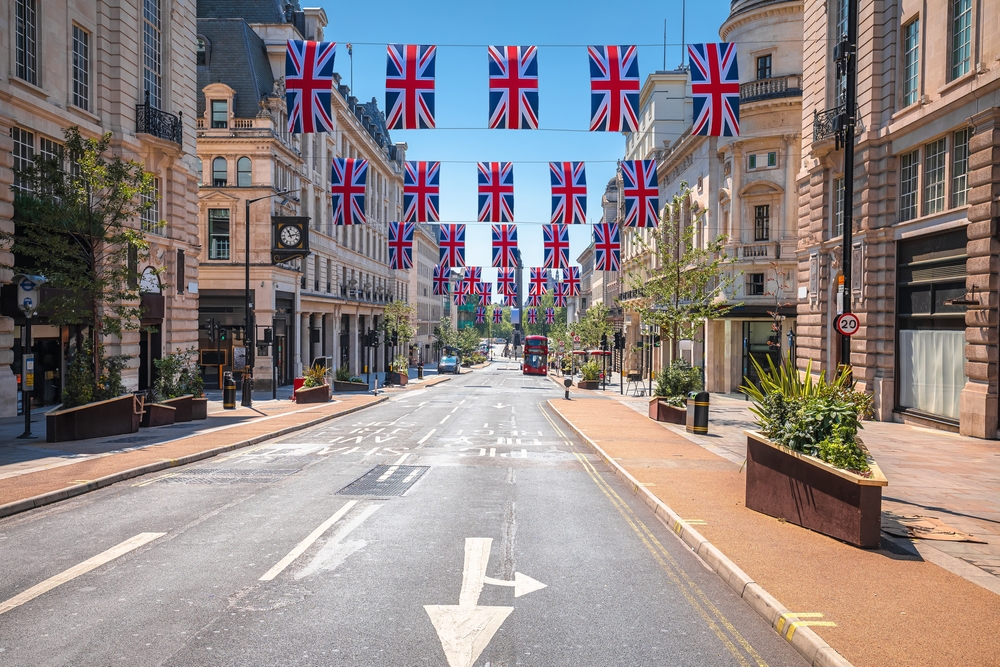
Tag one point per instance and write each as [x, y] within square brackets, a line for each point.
[384, 481]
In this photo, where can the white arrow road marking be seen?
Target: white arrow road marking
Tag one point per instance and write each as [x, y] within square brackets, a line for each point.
[350, 451]
[523, 584]
[72, 573]
[306, 543]
[499, 405]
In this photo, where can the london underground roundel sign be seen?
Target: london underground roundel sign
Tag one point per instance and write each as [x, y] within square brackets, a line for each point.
[847, 324]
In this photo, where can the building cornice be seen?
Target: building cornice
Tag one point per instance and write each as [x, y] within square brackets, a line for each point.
[756, 13]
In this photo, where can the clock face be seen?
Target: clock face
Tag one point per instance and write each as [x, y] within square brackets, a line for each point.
[290, 236]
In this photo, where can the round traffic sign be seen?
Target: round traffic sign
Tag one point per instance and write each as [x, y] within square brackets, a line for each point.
[847, 324]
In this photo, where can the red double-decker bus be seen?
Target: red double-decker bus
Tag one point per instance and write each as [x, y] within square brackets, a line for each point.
[536, 355]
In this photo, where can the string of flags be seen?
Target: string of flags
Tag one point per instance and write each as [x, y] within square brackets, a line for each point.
[469, 285]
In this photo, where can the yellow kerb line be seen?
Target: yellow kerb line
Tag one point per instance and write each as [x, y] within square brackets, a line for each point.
[792, 614]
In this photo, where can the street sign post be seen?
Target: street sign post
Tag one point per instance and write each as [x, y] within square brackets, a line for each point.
[27, 300]
[847, 324]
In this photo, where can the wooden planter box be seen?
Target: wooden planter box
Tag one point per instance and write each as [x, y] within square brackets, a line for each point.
[660, 411]
[184, 406]
[319, 394]
[339, 386]
[157, 414]
[199, 408]
[813, 494]
[94, 420]
[398, 379]
[588, 384]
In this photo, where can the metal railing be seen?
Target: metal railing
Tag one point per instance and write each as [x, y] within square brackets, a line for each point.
[768, 89]
[823, 122]
[160, 124]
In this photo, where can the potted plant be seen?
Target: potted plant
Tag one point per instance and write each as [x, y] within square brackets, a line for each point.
[169, 390]
[591, 374]
[672, 388]
[806, 463]
[398, 371]
[190, 381]
[314, 388]
[344, 381]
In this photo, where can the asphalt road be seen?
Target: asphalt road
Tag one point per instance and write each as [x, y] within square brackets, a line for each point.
[477, 497]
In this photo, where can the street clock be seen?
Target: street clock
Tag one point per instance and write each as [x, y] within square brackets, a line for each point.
[289, 238]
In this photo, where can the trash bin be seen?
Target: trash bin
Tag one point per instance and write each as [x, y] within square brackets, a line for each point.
[697, 413]
[297, 384]
[228, 392]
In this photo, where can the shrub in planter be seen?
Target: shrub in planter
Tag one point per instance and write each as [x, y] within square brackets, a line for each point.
[398, 371]
[673, 385]
[314, 377]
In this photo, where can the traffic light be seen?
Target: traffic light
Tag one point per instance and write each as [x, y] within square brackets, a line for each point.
[604, 341]
[211, 329]
[223, 334]
[656, 340]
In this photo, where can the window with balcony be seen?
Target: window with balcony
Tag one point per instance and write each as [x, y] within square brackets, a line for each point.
[25, 41]
[909, 166]
[152, 56]
[220, 175]
[243, 170]
[218, 233]
[755, 284]
[81, 68]
[911, 61]
[24, 156]
[762, 222]
[961, 37]
[220, 114]
[934, 159]
[960, 168]
[764, 67]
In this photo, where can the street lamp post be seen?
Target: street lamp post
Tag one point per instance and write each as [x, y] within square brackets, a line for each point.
[246, 400]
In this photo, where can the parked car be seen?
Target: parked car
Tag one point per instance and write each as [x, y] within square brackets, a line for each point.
[449, 365]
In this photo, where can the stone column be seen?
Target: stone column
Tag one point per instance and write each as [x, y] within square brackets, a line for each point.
[352, 341]
[735, 200]
[302, 358]
[789, 204]
[978, 408]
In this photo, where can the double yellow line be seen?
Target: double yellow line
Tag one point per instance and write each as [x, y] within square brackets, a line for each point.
[709, 613]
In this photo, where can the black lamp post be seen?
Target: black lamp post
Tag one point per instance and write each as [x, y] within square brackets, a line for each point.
[246, 400]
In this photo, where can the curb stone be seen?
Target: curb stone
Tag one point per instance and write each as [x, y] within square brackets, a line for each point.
[40, 500]
[803, 639]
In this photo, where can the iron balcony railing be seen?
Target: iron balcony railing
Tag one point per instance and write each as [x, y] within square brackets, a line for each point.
[160, 124]
[825, 122]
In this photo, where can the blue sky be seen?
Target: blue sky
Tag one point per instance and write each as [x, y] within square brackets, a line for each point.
[462, 92]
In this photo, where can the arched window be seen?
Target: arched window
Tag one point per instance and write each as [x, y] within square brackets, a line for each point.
[202, 57]
[220, 171]
[199, 170]
[243, 172]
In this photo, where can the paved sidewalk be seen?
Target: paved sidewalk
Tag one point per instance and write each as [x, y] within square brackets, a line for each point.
[892, 606]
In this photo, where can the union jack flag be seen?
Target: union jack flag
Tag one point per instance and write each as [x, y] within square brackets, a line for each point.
[459, 298]
[607, 247]
[347, 183]
[559, 295]
[555, 243]
[514, 87]
[550, 315]
[614, 88]
[401, 245]
[480, 315]
[442, 275]
[533, 300]
[309, 85]
[497, 316]
[451, 245]
[715, 89]
[642, 193]
[538, 283]
[504, 245]
[421, 187]
[485, 292]
[510, 300]
[571, 280]
[569, 192]
[496, 192]
[506, 281]
[473, 276]
[532, 316]
[409, 86]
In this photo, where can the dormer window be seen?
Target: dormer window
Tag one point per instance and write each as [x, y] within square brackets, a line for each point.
[220, 114]
[202, 53]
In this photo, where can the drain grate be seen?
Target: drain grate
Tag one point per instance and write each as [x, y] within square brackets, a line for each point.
[384, 481]
[131, 440]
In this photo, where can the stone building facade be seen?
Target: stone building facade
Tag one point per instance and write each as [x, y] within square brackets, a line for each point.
[321, 306]
[421, 286]
[125, 68]
[924, 258]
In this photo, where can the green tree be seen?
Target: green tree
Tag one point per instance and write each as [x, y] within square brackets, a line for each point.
[594, 324]
[691, 281]
[79, 227]
[397, 320]
[444, 336]
[467, 341]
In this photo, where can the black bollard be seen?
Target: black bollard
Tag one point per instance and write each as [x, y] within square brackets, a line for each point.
[228, 392]
[697, 413]
[568, 382]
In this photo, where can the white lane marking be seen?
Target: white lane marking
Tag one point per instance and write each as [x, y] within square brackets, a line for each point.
[350, 451]
[371, 451]
[329, 551]
[445, 419]
[454, 410]
[486, 425]
[477, 557]
[493, 451]
[499, 439]
[410, 476]
[388, 473]
[114, 552]
[401, 459]
[306, 543]
[424, 439]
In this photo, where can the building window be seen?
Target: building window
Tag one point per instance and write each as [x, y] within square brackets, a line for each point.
[151, 215]
[909, 165]
[50, 150]
[934, 159]
[180, 270]
[25, 40]
[838, 206]
[81, 68]
[151, 52]
[219, 172]
[218, 233]
[755, 284]
[220, 113]
[24, 156]
[764, 67]
[960, 168]
[911, 61]
[762, 222]
[961, 37]
[243, 172]
[201, 53]
[772, 159]
[840, 32]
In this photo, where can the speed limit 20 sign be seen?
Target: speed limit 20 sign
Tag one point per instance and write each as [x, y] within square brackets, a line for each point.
[847, 324]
